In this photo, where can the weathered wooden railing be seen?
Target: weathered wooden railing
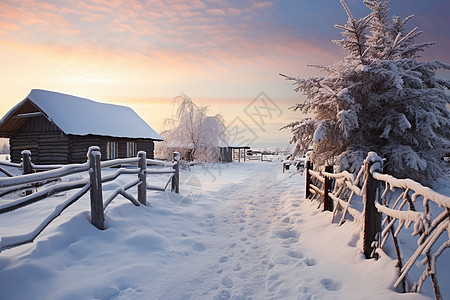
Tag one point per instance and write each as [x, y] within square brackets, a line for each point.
[365, 196]
[94, 184]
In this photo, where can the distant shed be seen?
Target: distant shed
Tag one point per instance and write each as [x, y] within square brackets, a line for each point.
[59, 128]
[229, 152]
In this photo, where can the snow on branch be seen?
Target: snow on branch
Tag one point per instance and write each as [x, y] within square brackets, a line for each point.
[347, 10]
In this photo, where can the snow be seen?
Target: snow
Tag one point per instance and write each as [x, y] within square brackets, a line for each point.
[320, 132]
[24, 152]
[80, 116]
[230, 234]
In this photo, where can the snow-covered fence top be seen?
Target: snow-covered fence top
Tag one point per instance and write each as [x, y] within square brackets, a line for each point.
[427, 193]
[94, 184]
[369, 194]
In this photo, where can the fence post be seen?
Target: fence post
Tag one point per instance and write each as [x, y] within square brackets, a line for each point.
[309, 166]
[97, 213]
[372, 218]
[176, 175]
[26, 162]
[327, 201]
[26, 166]
[142, 187]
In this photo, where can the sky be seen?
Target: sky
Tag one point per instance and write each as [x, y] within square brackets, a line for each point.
[225, 54]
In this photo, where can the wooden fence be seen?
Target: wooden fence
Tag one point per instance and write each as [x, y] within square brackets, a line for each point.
[384, 205]
[93, 166]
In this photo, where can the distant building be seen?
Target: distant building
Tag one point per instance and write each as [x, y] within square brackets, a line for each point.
[59, 128]
[229, 152]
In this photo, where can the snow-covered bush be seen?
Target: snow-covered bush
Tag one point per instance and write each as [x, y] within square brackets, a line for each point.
[377, 98]
[194, 134]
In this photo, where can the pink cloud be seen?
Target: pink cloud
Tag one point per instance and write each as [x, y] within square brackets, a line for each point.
[216, 12]
[262, 5]
[8, 26]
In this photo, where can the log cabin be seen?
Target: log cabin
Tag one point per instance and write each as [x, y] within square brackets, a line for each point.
[59, 128]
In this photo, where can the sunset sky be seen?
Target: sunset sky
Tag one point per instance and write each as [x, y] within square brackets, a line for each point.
[221, 53]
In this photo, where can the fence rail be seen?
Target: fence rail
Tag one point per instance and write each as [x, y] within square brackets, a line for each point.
[367, 195]
[135, 165]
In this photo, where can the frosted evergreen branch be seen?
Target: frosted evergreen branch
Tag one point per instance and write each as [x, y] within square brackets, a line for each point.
[347, 10]
[352, 30]
[408, 35]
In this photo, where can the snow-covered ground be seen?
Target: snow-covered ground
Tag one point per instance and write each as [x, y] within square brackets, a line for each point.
[4, 157]
[237, 231]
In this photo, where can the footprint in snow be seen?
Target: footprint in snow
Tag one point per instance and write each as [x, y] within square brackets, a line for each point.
[223, 295]
[199, 247]
[287, 233]
[310, 262]
[286, 220]
[227, 282]
[295, 254]
[331, 285]
[223, 259]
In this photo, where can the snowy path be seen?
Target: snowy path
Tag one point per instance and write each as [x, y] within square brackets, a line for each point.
[239, 260]
[250, 235]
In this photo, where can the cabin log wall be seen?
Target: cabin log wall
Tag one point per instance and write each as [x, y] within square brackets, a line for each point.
[49, 145]
[146, 145]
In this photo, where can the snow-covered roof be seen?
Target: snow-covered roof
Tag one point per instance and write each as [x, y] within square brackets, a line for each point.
[223, 144]
[80, 116]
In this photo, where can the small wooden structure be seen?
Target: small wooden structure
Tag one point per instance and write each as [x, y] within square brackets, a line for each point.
[59, 129]
[228, 153]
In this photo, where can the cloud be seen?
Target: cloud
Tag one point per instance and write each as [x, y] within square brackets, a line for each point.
[216, 12]
[263, 4]
[6, 27]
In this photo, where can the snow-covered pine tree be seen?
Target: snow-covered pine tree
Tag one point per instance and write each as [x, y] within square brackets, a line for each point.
[378, 98]
[194, 134]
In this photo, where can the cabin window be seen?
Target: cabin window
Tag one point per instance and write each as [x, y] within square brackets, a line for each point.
[131, 149]
[111, 150]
